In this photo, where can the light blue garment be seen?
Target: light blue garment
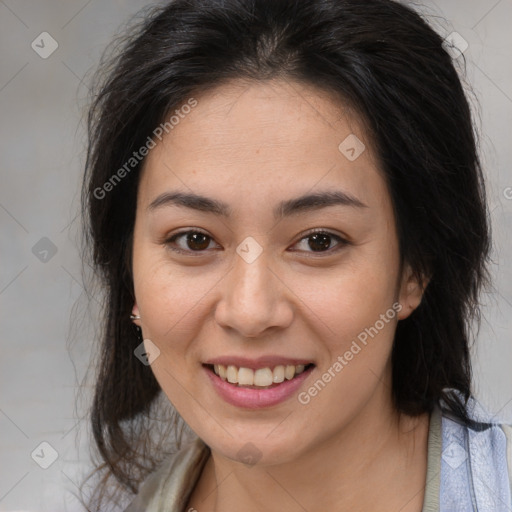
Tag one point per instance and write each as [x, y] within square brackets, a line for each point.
[476, 471]
[469, 468]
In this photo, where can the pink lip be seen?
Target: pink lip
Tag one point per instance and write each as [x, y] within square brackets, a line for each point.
[256, 398]
[260, 362]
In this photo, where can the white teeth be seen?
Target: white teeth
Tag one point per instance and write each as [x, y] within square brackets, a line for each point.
[289, 372]
[299, 369]
[246, 377]
[232, 374]
[278, 374]
[261, 377]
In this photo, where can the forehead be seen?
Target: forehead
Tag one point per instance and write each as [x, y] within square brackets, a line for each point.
[263, 137]
[276, 113]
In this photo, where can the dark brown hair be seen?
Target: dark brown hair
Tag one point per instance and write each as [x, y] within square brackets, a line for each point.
[388, 64]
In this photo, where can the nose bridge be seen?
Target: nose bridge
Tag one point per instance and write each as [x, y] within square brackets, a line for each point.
[251, 287]
[250, 301]
[252, 278]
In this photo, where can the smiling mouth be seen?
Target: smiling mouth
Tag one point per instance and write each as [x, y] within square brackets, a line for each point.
[261, 378]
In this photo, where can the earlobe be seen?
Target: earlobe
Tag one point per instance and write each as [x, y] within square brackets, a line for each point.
[135, 316]
[411, 293]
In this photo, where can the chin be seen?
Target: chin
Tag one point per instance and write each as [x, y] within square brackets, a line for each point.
[258, 449]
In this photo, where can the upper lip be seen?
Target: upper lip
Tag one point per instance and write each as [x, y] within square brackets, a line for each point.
[260, 362]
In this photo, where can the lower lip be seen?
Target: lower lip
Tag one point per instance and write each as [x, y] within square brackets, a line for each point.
[250, 398]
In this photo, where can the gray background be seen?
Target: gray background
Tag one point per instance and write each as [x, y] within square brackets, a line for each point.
[44, 355]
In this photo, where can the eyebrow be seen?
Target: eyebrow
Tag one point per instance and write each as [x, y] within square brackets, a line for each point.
[305, 203]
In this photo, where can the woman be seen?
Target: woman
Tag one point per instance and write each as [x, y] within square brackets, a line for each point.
[286, 206]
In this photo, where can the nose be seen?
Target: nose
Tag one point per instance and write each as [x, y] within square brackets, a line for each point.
[254, 299]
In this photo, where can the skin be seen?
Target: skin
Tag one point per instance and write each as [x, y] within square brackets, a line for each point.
[251, 145]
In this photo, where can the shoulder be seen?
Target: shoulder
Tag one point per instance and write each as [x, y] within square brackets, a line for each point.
[476, 461]
[170, 486]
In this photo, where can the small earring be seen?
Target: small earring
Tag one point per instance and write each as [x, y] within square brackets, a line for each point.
[134, 317]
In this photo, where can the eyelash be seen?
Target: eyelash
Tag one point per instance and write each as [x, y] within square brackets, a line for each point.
[342, 242]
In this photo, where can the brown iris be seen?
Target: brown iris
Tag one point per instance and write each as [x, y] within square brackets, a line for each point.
[197, 241]
[319, 241]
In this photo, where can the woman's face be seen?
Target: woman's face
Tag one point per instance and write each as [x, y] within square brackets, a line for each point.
[255, 288]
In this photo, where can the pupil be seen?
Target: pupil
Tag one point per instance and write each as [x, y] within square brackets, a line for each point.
[195, 239]
[321, 239]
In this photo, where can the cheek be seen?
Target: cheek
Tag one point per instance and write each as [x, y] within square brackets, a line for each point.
[361, 311]
[167, 302]
[351, 297]
[171, 299]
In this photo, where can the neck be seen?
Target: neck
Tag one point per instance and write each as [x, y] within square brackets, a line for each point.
[376, 462]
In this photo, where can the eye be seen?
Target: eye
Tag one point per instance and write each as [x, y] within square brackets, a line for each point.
[191, 241]
[197, 241]
[321, 241]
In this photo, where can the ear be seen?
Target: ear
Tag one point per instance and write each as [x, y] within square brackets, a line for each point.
[411, 292]
[136, 314]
